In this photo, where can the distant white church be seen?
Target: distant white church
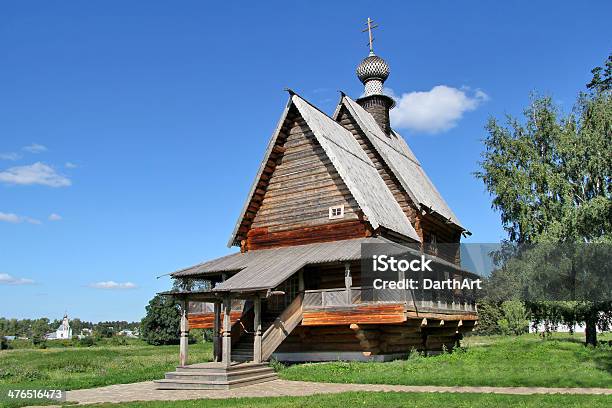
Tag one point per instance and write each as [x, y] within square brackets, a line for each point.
[63, 331]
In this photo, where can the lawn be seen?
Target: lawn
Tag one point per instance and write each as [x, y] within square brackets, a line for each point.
[494, 361]
[75, 367]
[387, 399]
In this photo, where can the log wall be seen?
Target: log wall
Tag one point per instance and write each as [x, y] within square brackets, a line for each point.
[374, 339]
[206, 320]
[291, 203]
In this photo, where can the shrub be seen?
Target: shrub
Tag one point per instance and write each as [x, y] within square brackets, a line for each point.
[87, 341]
[276, 365]
[515, 319]
[118, 341]
[4, 344]
[489, 314]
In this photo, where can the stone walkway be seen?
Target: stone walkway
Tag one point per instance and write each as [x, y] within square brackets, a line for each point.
[145, 391]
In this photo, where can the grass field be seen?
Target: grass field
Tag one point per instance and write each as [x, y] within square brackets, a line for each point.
[495, 361]
[388, 399]
[74, 368]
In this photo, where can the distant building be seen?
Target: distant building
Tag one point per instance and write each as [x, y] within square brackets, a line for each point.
[128, 333]
[63, 332]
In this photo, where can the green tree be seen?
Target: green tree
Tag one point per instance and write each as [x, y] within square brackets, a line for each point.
[104, 330]
[550, 180]
[40, 328]
[161, 323]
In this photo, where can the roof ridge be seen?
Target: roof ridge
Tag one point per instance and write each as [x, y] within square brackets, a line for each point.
[369, 163]
[380, 138]
[417, 189]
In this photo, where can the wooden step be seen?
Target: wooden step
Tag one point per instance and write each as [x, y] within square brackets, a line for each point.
[216, 376]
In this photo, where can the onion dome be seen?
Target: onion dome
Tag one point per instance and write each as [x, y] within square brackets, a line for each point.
[373, 71]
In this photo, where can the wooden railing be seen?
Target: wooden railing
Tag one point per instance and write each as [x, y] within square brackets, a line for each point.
[207, 307]
[339, 297]
[282, 327]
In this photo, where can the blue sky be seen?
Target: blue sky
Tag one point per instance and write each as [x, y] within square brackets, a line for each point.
[130, 131]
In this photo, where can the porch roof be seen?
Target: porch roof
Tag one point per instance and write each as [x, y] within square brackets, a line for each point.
[267, 268]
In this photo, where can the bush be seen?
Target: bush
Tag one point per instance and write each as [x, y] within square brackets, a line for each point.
[489, 314]
[87, 342]
[161, 323]
[515, 318]
[118, 341]
[4, 344]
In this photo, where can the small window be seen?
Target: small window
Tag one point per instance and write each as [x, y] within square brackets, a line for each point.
[336, 212]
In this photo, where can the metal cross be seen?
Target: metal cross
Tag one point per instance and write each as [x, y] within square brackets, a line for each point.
[371, 26]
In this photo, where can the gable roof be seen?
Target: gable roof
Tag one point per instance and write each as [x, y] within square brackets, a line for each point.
[403, 163]
[352, 164]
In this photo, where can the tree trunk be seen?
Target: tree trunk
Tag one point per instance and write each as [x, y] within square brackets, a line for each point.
[591, 331]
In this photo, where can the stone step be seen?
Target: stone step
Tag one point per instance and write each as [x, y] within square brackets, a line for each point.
[180, 384]
[220, 368]
[212, 377]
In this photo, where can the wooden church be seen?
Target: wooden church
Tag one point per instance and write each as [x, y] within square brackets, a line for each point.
[293, 292]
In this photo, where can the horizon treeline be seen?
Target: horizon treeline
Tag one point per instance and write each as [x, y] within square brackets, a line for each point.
[26, 327]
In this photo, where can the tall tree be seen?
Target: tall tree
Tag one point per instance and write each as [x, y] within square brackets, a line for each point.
[550, 176]
[161, 323]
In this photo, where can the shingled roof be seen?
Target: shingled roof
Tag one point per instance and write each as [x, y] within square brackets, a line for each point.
[352, 164]
[267, 268]
[395, 152]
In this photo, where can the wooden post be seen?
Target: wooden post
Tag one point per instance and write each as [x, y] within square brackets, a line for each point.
[217, 333]
[301, 280]
[257, 326]
[348, 282]
[227, 332]
[184, 341]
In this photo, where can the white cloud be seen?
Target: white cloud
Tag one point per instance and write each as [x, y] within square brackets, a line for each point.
[55, 217]
[37, 173]
[70, 165]
[9, 217]
[112, 285]
[35, 148]
[16, 219]
[434, 111]
[10, 156]
[6, 279]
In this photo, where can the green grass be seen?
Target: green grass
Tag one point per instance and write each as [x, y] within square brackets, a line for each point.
[494, 361]
[562, 361]
[387, 399]
[74, 368]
